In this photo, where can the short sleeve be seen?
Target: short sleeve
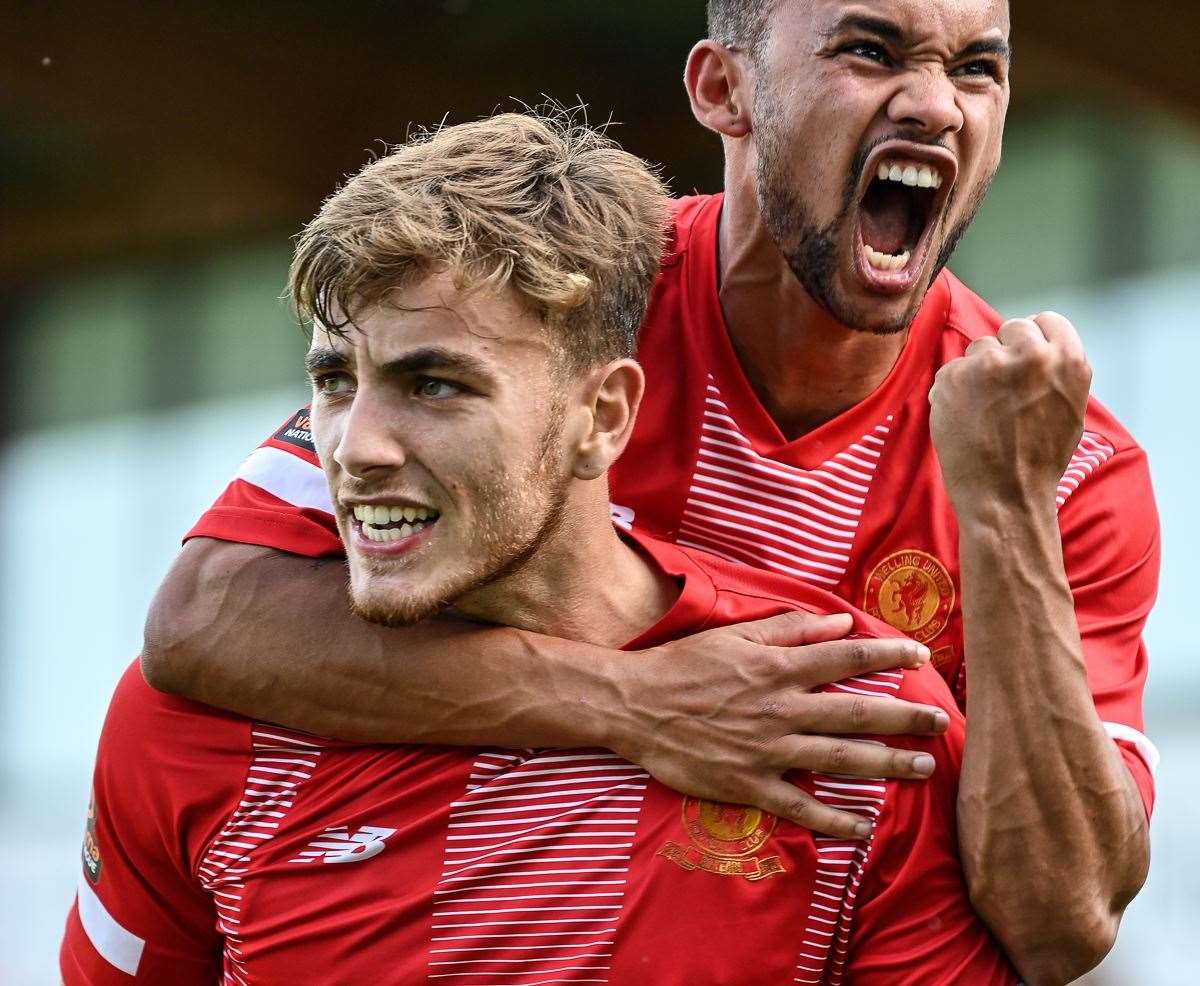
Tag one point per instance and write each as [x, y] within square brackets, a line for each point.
[141, 914]
[1111, 549]
[913, 924]
[278, 498]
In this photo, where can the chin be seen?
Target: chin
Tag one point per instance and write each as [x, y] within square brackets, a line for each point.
[393, 603]
[855, 305]
[391, 612]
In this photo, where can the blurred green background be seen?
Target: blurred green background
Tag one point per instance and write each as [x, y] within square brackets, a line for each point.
[156, 158]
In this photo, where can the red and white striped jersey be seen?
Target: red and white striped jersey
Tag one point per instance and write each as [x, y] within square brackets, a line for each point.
[225, 849]
[856, 506]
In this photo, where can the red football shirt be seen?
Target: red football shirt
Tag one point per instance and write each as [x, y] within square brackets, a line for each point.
[221, 845]
[856, 506]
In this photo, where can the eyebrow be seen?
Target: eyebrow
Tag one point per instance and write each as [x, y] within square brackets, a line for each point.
[987, 46]
[881, 27]
[417, 361]
[437, 358]
[316, 360]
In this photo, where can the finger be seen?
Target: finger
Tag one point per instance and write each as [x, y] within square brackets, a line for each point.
[834, 660]
[982, 343]
[1058, 329]
[788, 801]
[796, 628]
[1021, 331]
[853, 758]
[832, 713]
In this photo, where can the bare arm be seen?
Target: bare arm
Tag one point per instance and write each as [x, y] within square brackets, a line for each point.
[271, 635]
[1053, 833]
[721, 715]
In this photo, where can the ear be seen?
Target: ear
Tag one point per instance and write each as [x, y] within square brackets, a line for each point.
[613, 395]
[718, 88]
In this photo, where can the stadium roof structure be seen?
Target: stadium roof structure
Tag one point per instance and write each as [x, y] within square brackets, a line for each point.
[131, 129]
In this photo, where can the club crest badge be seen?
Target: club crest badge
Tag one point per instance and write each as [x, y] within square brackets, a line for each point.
[723, 839]
[911, 591]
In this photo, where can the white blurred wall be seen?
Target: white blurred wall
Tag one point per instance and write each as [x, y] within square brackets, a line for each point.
[1143, 339]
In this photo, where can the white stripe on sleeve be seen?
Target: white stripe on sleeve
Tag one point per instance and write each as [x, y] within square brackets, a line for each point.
[1139, 741]
[117, 945]
[288, 477]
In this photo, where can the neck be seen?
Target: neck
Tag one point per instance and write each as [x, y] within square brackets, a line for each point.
[804, 365]
[584, 583]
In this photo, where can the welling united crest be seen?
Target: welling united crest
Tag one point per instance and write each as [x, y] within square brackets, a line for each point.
[724, 839]
[911, 591]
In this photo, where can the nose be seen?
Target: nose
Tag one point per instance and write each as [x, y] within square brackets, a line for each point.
[369, 443]
[927, 101]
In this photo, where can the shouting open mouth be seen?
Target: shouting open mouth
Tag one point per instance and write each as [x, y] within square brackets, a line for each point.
[902, 198]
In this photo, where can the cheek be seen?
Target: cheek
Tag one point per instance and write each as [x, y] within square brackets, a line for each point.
[826, 132]
[468, 462]
[984, 127]
[326, 433]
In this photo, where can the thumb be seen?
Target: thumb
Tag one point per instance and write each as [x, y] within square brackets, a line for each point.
[796, 627]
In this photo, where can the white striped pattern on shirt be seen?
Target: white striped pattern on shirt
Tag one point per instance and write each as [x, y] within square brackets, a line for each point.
[283, 760]
[840, 862]
[536, 861]
[746, 507]
[1092, 452]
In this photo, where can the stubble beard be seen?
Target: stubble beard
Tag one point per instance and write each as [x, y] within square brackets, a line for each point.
[811, 250]
[514, 518]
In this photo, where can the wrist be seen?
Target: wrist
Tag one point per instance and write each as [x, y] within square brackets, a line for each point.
[993, 511]
[602, 704]
[621, 682]
[584, 690]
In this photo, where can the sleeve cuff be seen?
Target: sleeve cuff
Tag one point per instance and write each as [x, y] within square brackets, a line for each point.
[294, 533]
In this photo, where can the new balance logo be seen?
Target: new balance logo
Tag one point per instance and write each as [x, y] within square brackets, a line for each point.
[340, 845]
[622, 516]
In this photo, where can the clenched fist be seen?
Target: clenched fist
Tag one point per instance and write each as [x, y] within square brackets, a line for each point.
[1008, 414]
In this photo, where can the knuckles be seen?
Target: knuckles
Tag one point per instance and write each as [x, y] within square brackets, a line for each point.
[858, 657]
[837, 758]
[772, 711]
[1030, 365]
[799, 811]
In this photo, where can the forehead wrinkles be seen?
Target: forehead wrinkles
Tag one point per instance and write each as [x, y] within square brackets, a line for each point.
[484, 324]
[946, 26]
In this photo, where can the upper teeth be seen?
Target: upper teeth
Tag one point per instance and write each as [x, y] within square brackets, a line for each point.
[908, 173]
[379, 514]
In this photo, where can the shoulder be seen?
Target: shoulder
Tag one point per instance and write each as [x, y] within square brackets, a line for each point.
[163, 760]
[747, 593]
[692, 218]
[969, 317]
[295, 436]
[687, 213]
[286, 465]
[744, 593]
[156, 721]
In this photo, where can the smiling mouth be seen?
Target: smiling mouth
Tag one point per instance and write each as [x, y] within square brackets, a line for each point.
[393, 522]
[897, 214]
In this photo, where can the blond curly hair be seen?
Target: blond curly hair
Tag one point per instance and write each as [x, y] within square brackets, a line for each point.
[538, 201]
